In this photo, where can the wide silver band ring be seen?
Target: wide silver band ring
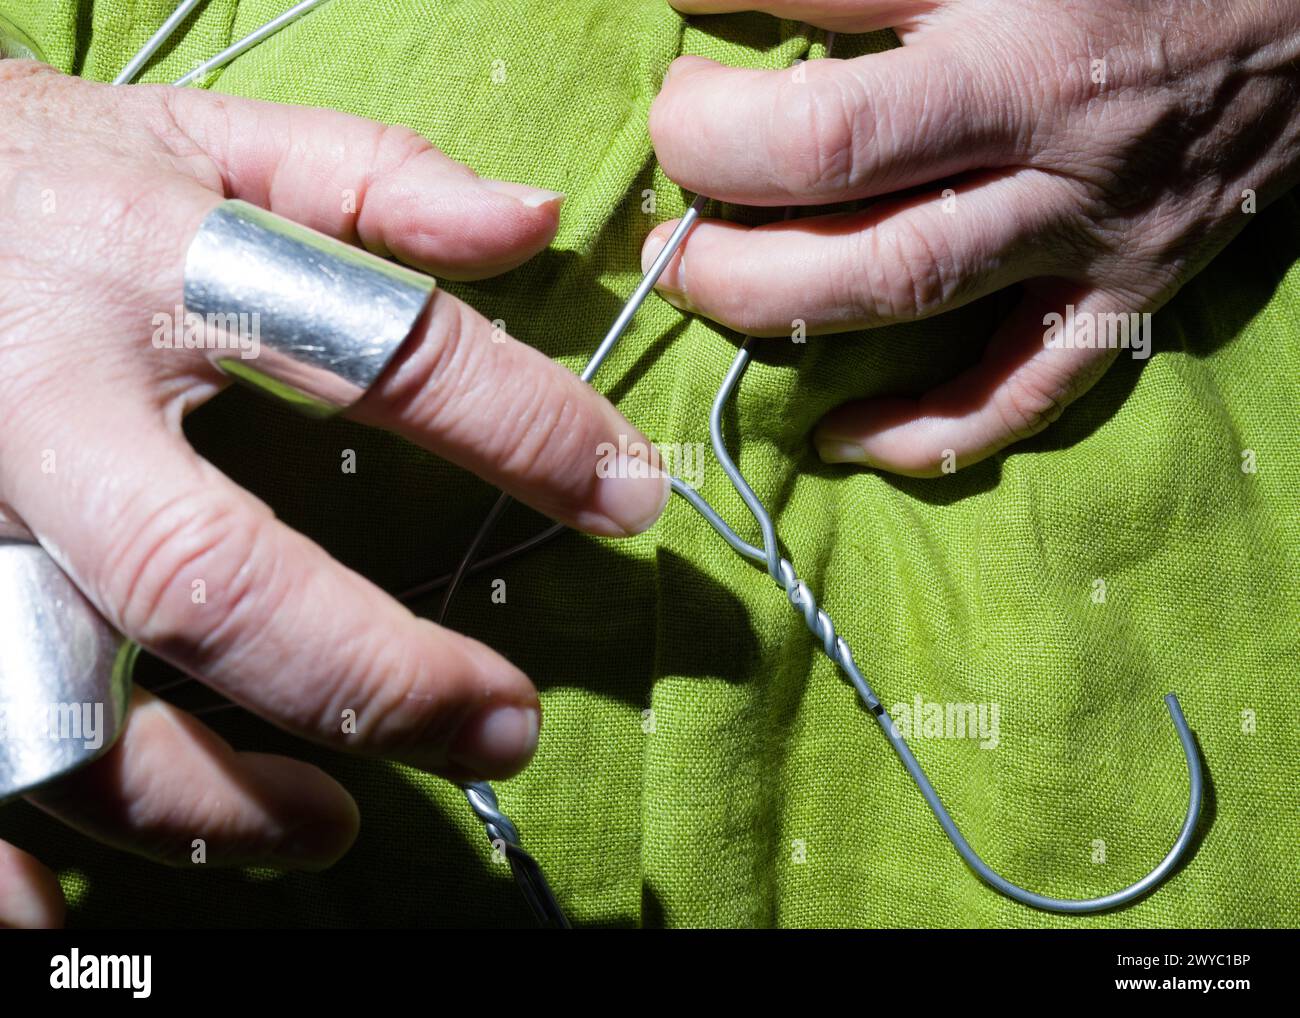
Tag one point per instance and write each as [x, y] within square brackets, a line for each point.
[293, 312]
[65, 674]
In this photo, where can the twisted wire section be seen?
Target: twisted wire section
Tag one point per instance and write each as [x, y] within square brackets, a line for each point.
[823, 627]
[782, 571]
[504, 837]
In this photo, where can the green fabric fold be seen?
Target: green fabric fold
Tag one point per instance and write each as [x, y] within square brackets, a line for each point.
[701, 761]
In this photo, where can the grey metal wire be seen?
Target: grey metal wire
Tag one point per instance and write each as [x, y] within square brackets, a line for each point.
[607, 344]
[156, 41]
[249, 41]
[527, 873]
[531, 879]
[823, 628]
[837, 649]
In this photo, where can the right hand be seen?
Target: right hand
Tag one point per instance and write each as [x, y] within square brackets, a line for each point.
[102, 189]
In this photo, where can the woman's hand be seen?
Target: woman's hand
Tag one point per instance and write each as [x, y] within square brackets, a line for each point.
[101, 191]
[1100, 152]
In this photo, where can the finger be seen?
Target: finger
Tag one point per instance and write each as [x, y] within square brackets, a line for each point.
[1019, 388]
[461, 387]
[502, 409]
[171, 790]
[383, 186]
[30, 896]
[832, 130]
[191, 566]
[837, 15]
[900, 260]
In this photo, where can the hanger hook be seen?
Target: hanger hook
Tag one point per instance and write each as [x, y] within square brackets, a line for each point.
[1033, 899]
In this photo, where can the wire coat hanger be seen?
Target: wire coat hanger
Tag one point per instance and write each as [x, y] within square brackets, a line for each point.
[480, 796]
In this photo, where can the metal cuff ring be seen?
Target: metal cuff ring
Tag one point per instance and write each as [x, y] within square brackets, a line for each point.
[290, 311]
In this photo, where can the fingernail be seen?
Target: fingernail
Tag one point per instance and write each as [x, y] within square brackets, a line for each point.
[839, 450]
[316, 846]
[671, 286]
[533, 197]
[650, 251]
[498, 740]
[631, 496]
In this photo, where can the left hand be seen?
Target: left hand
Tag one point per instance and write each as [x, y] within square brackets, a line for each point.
[102, 190]
[1100, 152]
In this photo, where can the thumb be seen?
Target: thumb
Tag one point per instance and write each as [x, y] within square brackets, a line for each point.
[1021, 385]
[383, 186]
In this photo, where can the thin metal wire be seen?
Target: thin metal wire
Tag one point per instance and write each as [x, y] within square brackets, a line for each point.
[249, 41]
[479, 565]
[532, 881]
[527, 873]
[835, 647]
[480, 795]
[155, 42]
[607, 344]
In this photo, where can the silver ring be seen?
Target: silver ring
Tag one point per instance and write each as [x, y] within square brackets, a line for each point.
[65, 674]
[293, 312]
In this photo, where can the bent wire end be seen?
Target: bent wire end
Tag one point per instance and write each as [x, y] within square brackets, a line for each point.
[1033, 899]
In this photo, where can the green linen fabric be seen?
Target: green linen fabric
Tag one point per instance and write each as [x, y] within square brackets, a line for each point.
[701, 762]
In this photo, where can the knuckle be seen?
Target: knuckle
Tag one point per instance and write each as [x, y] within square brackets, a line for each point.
[396, 147]
[187, 140]
[163, 824]
[443, 380]
[732, 294]
[660, 122]
[678, 116]
[815, 134]
[154, 568]
[1028, 404]
[410, 706]
[451, 386]
[26, 80]
[549, 436]
[898, 274]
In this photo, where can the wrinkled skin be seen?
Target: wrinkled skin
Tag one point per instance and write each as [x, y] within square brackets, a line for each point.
[101, 190]
[1105, 194]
